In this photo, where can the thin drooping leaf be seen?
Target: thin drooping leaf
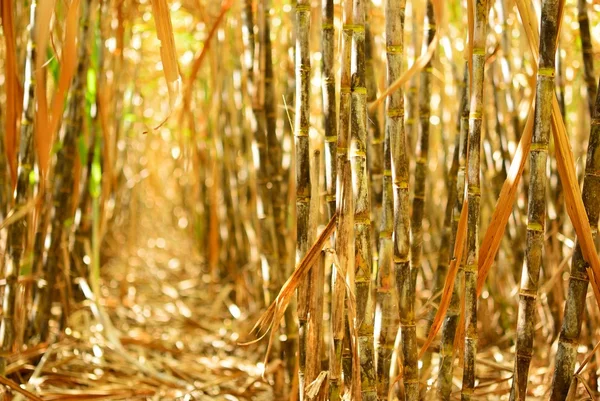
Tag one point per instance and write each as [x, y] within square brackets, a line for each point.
[14, 91]
[168, 53]
[459, 246]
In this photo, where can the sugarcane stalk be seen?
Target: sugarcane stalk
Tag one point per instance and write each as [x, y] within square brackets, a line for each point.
[387, 302]
[303, 182]
[375, 134]
[83, 232]
[387, 299]
[401, 235]
[536, 214]
[329, 103]
[422, 153]
[412, 93]
[341, 358]
[575, 305]
[16, 237]
[362, 207]
[452, 315]
[314, 334]
[474, 196]
[446, 245]
[588, 54]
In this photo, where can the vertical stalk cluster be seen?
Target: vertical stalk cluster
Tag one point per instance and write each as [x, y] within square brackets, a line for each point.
[474, 196]
[401, 226]
[63, 182]
[362, 207]
[536, 213]
[16, 240]
[344, 234]
[263, 160]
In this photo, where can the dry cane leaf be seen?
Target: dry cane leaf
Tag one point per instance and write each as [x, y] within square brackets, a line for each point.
[504, 205]
[566, 168]
[459, 246]
[270, 319]
[68, 64]
[168, 53]
[14, 91]
[493, 235]
[312, 390]
[43, 137]
[15, 387]
[573, 198]
[417, 66]
[16, 214]
[187, 92]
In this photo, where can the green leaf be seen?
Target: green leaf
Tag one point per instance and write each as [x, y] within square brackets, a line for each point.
[58, 145]
[83, 151]
[33, 177]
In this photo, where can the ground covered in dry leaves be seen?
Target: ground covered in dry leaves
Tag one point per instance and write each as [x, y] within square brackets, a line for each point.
[162, 331]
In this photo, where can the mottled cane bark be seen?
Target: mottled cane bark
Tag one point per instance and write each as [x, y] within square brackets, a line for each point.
[314, 327]
[588, 54]
[63, 182]
[303, 183]
[474, 196]
[329, 103]
[362, 208]
[401, 236]
[536, 214]
[16, 239]
[412, 92]
[575, 306]
[453, 313]
[344, 244]
[387, 301]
